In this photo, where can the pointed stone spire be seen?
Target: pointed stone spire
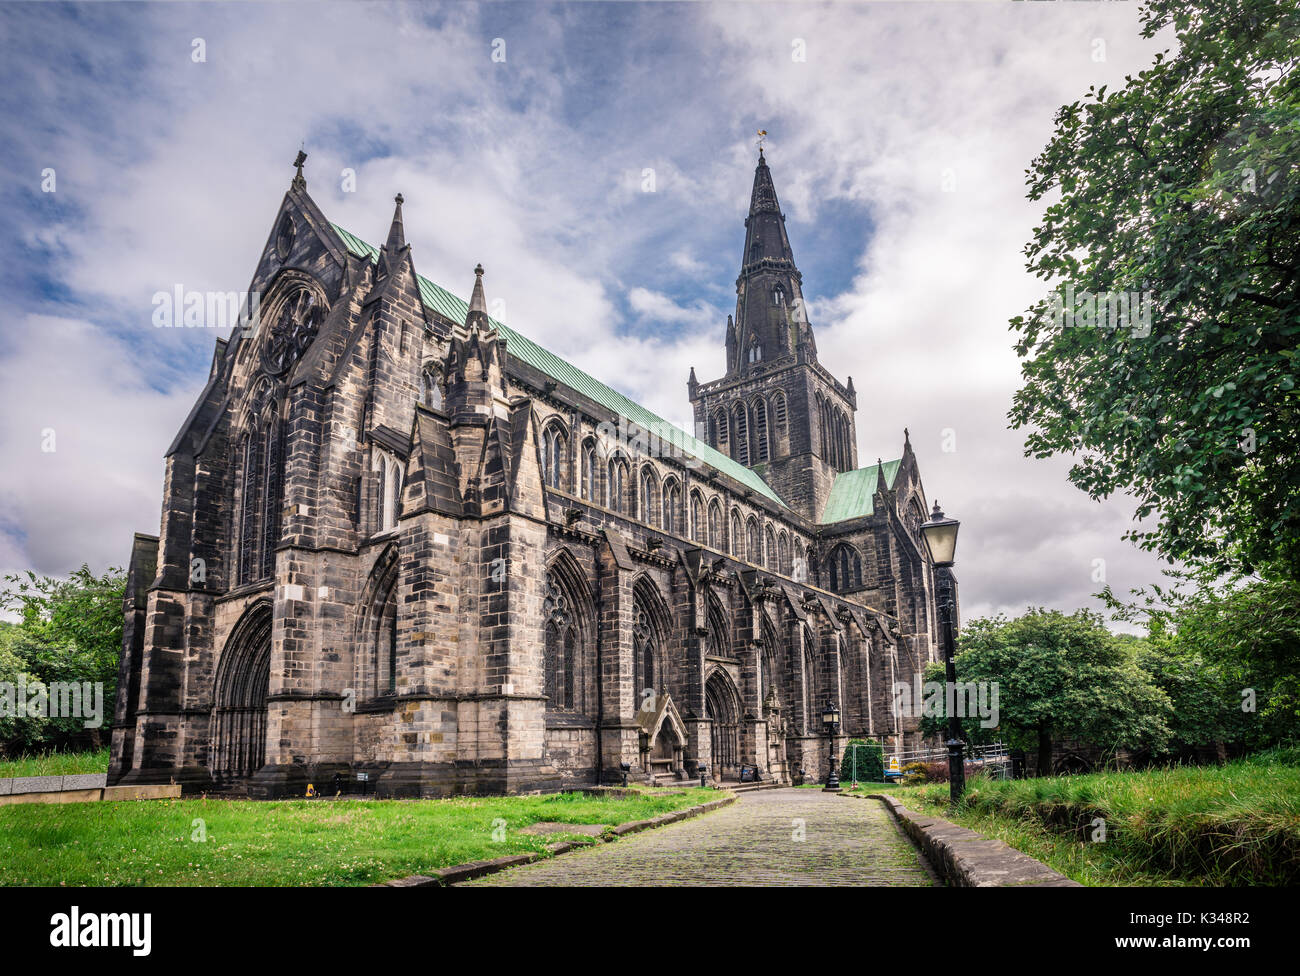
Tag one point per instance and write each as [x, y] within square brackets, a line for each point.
[477, 315]
[763, 197]
[692, 384]
[395, 247]
[766, 238]
[300, 181]
[770, 320]
[396, 232]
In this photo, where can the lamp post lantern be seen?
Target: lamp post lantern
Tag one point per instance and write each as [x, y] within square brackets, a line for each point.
[831, 722]
[940, 534]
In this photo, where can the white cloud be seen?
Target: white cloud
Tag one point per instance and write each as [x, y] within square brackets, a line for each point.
[71, 386]
[534, 168]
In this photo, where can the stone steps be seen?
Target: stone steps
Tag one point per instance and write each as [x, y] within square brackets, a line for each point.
[751, 787]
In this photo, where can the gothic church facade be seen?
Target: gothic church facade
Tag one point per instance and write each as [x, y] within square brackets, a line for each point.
[402, 543]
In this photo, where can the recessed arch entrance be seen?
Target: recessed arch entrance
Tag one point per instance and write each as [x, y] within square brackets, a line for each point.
[239, 713]
[722, 707]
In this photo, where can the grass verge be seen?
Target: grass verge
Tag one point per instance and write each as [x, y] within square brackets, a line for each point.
[56, 764]
[291, 842]
[1236, 824]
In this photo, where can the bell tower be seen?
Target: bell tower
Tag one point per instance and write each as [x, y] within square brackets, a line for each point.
[776, 409]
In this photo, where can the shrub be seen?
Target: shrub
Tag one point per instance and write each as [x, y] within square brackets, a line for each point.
[914, 772]
[870, 759]
[937, 772]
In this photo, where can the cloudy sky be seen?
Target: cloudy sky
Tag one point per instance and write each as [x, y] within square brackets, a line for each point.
[899, 134]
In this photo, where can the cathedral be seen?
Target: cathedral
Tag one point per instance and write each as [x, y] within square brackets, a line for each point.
[404, 546]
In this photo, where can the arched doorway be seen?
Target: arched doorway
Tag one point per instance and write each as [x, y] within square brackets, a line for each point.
[722, 706]
[239, 715]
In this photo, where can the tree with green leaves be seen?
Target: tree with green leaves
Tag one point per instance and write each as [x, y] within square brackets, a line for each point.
[1244, 632]
[1184, 186]
[1060, 676]
[69, 630]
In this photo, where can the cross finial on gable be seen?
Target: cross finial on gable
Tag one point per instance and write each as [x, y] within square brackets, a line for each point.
[300, 181]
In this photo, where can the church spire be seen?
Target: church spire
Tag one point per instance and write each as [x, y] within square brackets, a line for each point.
[763, 197]
[766, 238]
[771, 322]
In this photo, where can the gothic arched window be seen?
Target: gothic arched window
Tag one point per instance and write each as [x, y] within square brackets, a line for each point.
[737, 536]
[823, 426]
[555, 455]
[250, 563]
[783, 554]
[845, 566]
[388, 490]
[753, 541]
[261, 479]
[769, 550]
[560, 649]
[616, 486]
[672, 506]
[740, 433]
[588, 478]
[649, 495]
[778, 410]
[715, 525]
[699, 531]
[762, 446]
[645, 649]
[778, 295]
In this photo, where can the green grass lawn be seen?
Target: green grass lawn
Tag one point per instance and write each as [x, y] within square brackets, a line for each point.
[290, 842]
[1236, 824]
[56, 764]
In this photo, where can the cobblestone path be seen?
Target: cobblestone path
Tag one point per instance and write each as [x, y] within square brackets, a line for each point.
[767, 837]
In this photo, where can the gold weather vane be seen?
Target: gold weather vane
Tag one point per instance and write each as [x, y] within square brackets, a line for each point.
[762, 134]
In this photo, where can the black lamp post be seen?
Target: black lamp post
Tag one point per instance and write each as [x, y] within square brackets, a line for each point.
[940, 534]
[831, 723]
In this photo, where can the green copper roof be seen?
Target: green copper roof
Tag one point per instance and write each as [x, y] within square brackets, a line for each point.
[448, 305]
[852, 491]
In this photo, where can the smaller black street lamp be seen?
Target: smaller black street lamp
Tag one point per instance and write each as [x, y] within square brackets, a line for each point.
[940, 534]
[831, 723]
